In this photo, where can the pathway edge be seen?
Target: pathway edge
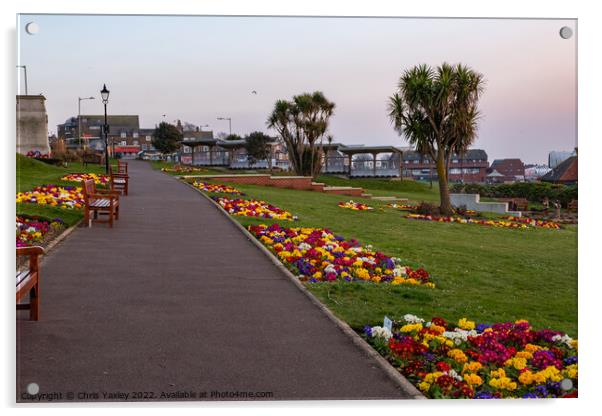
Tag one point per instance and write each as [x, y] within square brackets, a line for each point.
[358, 341]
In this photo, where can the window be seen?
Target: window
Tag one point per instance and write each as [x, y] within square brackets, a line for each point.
[148, 138]
[455, 171]
[135, 135]
[136, 142]
[416, 161]
[454, 160]
[123, 135]
[123, 142]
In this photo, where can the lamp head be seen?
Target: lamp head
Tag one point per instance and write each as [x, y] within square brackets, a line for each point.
[104, 93]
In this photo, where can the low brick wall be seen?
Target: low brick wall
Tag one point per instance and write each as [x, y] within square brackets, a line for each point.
[287, 182]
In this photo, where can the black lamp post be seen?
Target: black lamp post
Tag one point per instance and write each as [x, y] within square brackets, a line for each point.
[104, 93]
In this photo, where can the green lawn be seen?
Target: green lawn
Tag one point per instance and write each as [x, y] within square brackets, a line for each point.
[486, 274]
[31, 173]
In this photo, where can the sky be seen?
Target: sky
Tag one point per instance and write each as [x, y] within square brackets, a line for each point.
[198, 68]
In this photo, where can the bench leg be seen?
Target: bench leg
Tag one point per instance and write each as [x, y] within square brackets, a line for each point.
[87, 217]
[111, 215]
[34, 306]
[117, 212]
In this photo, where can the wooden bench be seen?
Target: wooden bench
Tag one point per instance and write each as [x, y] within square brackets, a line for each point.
[573, 205]
[516, 204]
[99, 201]
[122, 167]
[28, 281]
[94, 158]
[119, 181]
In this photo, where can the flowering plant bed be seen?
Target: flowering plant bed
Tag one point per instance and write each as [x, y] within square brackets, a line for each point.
[490, 223]
[216, 188]
[317, 255]
[534, 223]
[253, 208]
[466, 360]
[32, 230]
[402, 207]
[67, 197]
[80, 177]
[183, 169]
[355, 206]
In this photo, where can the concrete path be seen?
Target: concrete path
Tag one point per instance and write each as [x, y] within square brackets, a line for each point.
[175, 300]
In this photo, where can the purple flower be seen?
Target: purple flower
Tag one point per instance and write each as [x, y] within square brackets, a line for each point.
[368, 331]
[484, 395]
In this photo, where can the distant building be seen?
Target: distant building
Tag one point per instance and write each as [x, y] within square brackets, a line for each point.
[534, 172]
[565, 173]
[512, 170]
[468, 167]
[556, 157]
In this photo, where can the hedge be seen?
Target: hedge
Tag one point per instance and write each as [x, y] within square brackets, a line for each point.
[533, 191]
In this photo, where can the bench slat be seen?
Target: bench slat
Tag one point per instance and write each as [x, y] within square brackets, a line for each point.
[22, 275]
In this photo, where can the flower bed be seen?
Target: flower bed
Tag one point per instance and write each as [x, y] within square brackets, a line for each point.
[253, 208]
[490, 223]
[466, 360]
[534, 223]
[402, 207]
[317, 255]
[355, 206]
[31, 230]
[216, 188]
[80, 177]
[183, 169]
[67, 197]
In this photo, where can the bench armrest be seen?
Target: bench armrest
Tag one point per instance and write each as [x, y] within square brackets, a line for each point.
[112, 196]
[28, 251]
[105, 192]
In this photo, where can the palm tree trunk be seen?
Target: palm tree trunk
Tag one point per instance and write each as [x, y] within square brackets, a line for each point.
[445, 206]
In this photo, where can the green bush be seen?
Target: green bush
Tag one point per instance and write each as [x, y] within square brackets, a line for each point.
[533, 191]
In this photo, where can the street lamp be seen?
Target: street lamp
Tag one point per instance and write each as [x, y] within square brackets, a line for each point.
[25, 73]
[229, 122]
[79, 123]
[104, 93]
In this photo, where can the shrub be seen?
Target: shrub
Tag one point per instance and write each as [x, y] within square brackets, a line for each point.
[533, 191]
[425, 208]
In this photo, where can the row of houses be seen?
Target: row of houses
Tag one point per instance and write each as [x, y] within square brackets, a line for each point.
[128, 140]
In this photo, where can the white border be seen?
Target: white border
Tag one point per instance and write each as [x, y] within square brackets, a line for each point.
[589, 103]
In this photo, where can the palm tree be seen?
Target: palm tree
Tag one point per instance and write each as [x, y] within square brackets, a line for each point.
[301, 123]
[436, 111]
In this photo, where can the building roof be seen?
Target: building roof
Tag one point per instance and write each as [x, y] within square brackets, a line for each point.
[494, 174]
[565, 172]
[351, 150]
[470, 154]
[506, 162]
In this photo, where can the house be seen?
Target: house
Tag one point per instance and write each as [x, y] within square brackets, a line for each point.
[471, 166]
[556, 157]
[512, 170]
[565, 173]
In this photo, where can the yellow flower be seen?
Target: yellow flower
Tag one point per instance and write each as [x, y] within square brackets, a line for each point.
[526, 378]
[473, 379]
[457, 355]
[424, 386]
[466, 324]
[472, 366]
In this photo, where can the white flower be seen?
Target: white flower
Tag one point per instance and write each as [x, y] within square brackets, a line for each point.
[412, 319]
[564, 339]
[304, 246]
[452, 373]
[380, 332]
[399, 271]
[330, 269]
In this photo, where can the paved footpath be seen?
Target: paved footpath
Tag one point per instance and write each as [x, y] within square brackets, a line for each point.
[175, 299]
